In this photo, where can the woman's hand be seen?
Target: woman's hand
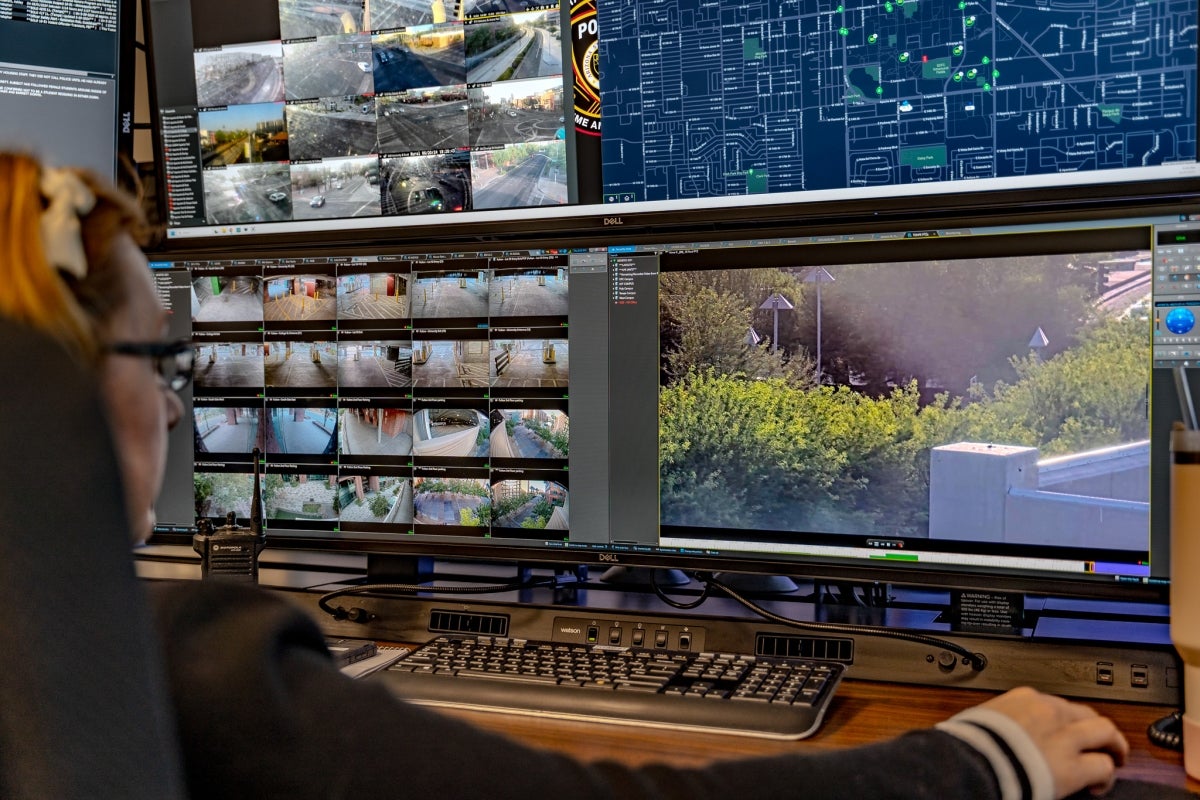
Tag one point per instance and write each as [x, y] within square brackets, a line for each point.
[1082, 748]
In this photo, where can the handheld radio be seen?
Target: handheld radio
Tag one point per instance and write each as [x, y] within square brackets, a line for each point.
[231, 552]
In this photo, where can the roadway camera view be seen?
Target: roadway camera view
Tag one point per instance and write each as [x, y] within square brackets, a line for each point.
[521, 433]
[445, 116]
[514, 46]
[426, 184]
[343, 126]
[248, 193]
[430, 55]
[304, 19]
[244, 134]
[333, 66]
[476, 8]
[336, 188]
[899, 397]
[529, 504]
[517, 111]
[239, 74]
[423, 119]
[518, 176]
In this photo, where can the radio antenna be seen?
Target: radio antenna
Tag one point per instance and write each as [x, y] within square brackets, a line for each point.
[256, 511]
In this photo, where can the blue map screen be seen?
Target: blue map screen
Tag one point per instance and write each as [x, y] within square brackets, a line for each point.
[702, 98]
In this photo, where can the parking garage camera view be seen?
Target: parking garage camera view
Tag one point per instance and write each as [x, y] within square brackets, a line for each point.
[382, 108]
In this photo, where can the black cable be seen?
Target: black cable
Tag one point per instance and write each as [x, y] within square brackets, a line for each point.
[1167, 732]
[976, 661]
[358, 614]
[672, 602]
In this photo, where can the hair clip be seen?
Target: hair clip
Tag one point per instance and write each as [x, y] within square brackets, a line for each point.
[62, 235]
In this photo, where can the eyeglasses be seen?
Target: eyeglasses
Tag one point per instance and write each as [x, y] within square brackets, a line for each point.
[173, 361]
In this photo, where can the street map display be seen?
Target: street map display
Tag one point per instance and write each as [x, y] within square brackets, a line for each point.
[703, 98]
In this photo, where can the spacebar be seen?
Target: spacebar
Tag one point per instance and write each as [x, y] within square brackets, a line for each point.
[506, 676]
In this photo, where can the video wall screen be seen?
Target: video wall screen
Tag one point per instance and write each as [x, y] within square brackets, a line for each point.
[972, 397]
[299, 116]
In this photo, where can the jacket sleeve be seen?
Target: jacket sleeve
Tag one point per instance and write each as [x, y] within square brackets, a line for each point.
[264, 713]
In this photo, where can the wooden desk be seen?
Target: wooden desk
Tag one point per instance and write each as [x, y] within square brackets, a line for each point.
[862, 712]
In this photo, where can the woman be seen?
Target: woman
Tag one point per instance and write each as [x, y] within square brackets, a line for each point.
[261, 710]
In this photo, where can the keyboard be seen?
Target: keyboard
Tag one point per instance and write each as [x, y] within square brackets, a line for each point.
[734, 693]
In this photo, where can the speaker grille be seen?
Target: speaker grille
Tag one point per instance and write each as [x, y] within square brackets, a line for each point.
[441, 621]
[817, 647]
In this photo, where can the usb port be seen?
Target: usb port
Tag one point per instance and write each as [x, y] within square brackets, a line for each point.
[1139, 676]
[1104, 673]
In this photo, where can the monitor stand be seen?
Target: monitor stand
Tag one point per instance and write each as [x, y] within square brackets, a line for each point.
[644, 576]
[758, 584]
[409, 570]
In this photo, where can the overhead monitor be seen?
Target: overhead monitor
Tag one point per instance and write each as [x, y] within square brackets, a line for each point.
[953, 400]
[66, 81]
[354, 119]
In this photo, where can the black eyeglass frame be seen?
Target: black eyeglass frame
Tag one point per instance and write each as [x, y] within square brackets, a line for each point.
[174, 361]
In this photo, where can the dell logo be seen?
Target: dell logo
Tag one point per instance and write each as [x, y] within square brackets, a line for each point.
[126, 122]
[609, 558]
[613, 221]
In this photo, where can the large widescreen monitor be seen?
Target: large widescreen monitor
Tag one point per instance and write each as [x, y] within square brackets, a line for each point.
[66, 81]
[970, 401]
[350, 119]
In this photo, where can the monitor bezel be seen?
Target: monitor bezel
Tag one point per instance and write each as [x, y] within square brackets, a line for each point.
[127, 83]
[716, 223]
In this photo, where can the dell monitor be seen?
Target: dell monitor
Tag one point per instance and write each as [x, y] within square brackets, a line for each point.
[435, 118]
[66, 81]
[954, 401]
